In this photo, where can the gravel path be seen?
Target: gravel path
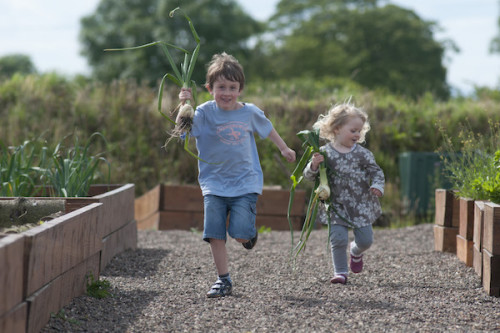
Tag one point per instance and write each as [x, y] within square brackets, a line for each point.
[405, 287]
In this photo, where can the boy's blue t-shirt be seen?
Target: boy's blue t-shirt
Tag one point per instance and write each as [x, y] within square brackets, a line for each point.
[226, 140]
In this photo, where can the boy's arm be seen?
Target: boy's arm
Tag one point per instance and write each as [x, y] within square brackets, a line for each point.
[286, 152]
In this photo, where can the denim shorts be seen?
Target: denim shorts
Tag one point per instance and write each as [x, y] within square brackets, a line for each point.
[242, 211]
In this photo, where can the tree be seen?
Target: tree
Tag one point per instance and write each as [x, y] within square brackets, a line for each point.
[495, 42]
[379, 47]
[221, 24]
[16, 63]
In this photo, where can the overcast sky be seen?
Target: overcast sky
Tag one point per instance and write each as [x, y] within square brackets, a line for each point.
[47, 31]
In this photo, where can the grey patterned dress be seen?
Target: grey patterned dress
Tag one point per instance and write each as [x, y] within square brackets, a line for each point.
[355, 172]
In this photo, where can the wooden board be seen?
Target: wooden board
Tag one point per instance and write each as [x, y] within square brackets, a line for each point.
[477, 260]
[445, 239]
[181, 198]
[118, 208]
[491, 228]
[149, 223]
[464, 250]
[478, 224]
[447, 208]
[181, 207]
[59, 245]
[147, 204]
[15, 320]
[170, 220]
[491, 273]
[466, 218]
[59, 292]
[11, 271]
[122, 239]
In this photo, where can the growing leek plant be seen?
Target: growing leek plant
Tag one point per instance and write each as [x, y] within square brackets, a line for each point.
[27, 169]
[20, 168]
[182, 78]
[72, 172]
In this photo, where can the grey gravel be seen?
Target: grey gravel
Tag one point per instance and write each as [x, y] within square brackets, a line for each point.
[406, 286]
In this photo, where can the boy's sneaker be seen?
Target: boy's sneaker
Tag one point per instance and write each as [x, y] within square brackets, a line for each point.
[356, 263]
[221, 288]
[251, 243]
[339, 278]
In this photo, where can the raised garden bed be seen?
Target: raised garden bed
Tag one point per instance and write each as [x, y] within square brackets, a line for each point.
[476, 238]
[168, 207]
[57, 256]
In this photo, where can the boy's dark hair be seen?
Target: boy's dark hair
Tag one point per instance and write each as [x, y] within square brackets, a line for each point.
[226, 66]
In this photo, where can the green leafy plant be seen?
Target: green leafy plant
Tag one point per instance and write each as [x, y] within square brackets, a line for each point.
[72, 172]
[20, 168]
[468, 160]
[63, 316]
[264, 230]
[491, 184]
[99, 288]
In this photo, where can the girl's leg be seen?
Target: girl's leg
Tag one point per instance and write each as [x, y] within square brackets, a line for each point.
[363, 239]
[219, 253]
[339, 240]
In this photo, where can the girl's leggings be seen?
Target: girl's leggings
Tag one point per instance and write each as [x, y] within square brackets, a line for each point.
[339, 239]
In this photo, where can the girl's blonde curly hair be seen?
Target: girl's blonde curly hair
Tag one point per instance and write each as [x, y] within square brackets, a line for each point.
[337, 117]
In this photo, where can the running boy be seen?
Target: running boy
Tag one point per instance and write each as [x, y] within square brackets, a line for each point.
[224, 131]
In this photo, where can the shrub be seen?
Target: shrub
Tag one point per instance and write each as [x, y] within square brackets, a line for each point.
[469, 161]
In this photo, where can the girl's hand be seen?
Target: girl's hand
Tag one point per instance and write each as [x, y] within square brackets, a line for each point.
[376, 192]
[317, 159]
[185, 94]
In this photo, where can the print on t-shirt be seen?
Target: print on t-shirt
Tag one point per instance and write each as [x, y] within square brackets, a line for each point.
[232, 133]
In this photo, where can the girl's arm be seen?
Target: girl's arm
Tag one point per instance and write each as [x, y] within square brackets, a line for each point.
[377, 176]
[286, 152]
[312, 168]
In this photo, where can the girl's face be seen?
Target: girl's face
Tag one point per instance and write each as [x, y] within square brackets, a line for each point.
[226, 93]
[349, 134]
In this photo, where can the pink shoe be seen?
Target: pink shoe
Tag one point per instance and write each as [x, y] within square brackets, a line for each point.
[356, 263]
[339, 278]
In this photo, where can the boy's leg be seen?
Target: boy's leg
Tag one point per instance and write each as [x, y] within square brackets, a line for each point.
[215, 233]
[242, 220]
[219, 253]
[223, 286]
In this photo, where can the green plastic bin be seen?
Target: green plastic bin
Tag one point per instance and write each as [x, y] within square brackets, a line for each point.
[420, 175]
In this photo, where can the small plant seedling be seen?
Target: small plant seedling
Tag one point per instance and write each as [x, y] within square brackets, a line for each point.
[98, 288]
[62, 315]
[263, 229]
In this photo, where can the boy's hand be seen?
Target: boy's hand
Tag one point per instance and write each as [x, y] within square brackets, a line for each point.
[288, 154]
[185, 94]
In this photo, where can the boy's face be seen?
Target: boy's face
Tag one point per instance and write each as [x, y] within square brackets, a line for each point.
[226, 93]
